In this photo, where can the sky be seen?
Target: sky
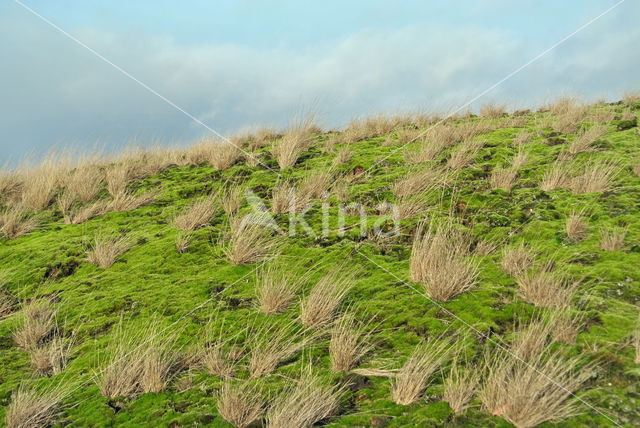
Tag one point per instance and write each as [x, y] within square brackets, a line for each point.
[237, 65]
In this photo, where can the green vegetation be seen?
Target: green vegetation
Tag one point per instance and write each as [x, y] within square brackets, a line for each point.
[201, 310]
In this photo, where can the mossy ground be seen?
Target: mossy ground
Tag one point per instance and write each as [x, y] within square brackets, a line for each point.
[153, 280]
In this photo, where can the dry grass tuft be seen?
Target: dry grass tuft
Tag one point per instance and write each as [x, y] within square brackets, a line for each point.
[117, 177]
[636, 341]
[630, 97]
[463, 157]
[576, 227]
[38, 324]
[565, 326]
[503, 178]
[231, 200]
[249, 241]
[284, 198]
[546, 289]
[126, 202]
[411, 380]
[540, 390]
[296, 140]
[15, 222]
[84, 183]
[197, 215]
[79, 215]
[585, 140]
[276, 288]
[557, 176]
[420, 181]
[223, 155]
[531, 339]
[438, 261]
[459, 388]
[597, 177]
[271, 346]
[52, 358]
[612, 239]
[407, 207]
[493, 111]
[522, 138]
[315, 184]
[139, 361]
[343, 155]
[349, 343]
[106, 249]
[183, 242]
[319, 308]
[305, 403]
[516, 260]
[39, 185]
[240, 403]
[32, 408]
[426, 151]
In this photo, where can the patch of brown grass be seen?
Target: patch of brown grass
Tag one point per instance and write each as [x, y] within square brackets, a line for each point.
[439, 261]
[33, 408]
[196, 215]
[585, 140]
[231, 200]
[303, 404]
[576, 227]
[493, 111]
[240, 403]
[126, 201]
[540, 390]
[84, 183]
[249, 241]
[343, 155]
[557, 176]
[271, 346]
[38, 321]
[52, 357]
[349, 343]
[546, 289]
[276, 287]
[459, 388]
[420, 181]
[81, 214]
[566, 326]
[531, 339]
[39, 185]
[408, 207]
[411, 380]
[597, 177]
[296, 140]
[636, 169]
[315, 184]
[118, 177]
[426, 151]
[319, 307]
[15, 222]
[630, 97]
[612, 239]
[223, 155]
[503, 178]
[516, 260]
[463, 157]
[105, 250]
[636, 341]
[522, 138]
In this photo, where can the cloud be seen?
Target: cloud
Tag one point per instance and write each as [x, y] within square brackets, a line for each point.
[57, 92]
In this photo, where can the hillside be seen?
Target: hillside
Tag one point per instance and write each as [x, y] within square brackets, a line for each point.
[479, 271]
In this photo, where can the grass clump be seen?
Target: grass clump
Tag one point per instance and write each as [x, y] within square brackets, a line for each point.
[33, 408]
[249, 241]
[576, 227]
[546, 289]
[38, 323]
[612, 239]
[516, 260]
[196, 216]
[325, 297]
[411, 380]
[240, 403]
[439, 261]
[270, 346]
[349, 343]
[105, 250]
[459, 388]
[15, 222]
[276, 287]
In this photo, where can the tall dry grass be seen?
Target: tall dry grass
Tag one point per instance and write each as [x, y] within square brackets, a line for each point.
[426, 151]
[118, 177]
[527, 394]
[16, 221]
[84, 183]
[315, 184]
[320, 306]
[38, 322]
[555, 177]
[612, 239]
[439, 260]
[304, 403]
[464, 155]
[516, 260]
[296, 140]
[231, 200]
[249, 241]
[420, 181]
[585, 140]
[493, 111]
[576, 227]
[197, 215]
[276, 287]
[597, 177]
[350, 341]
[105, 250]
[503, 178]
[240, 403]
[270, 346]
[459, 388]
[546, 289]
[410, 382]
[33, 408]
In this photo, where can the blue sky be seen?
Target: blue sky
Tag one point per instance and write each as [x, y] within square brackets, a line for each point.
[248, 63]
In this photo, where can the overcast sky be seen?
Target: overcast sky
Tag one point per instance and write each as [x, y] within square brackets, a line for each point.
[234, 64]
